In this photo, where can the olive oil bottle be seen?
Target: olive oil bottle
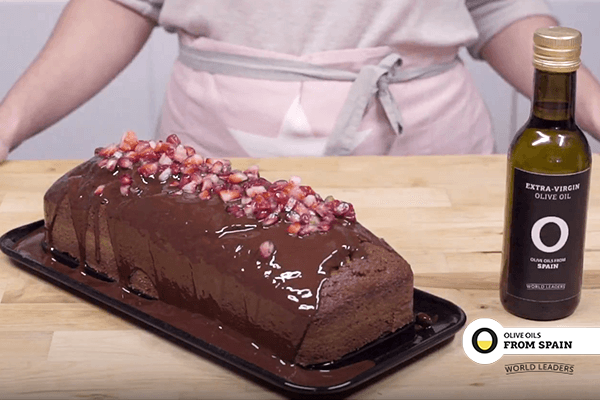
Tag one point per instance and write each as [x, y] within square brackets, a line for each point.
[547, 190]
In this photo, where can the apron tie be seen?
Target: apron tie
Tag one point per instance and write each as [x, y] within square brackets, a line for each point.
[370, 81]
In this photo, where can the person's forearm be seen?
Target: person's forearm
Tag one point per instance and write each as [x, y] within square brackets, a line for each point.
[510, 53]
[91, 43]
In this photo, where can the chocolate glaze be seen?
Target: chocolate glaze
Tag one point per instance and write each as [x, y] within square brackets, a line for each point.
[200, 327]
[172, 240]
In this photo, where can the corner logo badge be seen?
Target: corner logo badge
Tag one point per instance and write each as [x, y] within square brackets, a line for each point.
[485, 340]
[481, 340]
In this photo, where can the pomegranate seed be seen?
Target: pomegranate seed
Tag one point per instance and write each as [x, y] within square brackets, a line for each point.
[293, 216]
[245, 200]
[295, 180]
[341, 209]
[166, 174]
[190, 187]
[190, 150]
[252, 170]
[162, 147]
[324, 227]
[141, 146]
[255, 190]
[180, 154]
[266, 249]
[174, 183]
[204, 195]
[176, 168]
[132, 155]
[291, 203]
[129, 141]
[307, 230]
[173, 139]
[294, 228]
[102, 163]
[194, 159]
[147, 170]
[229, 195]
[108, 151]
[125, 190]
[207, 184]
[165, 160]
[217, 167]
[236, 211]
[125, 179]
[310, 200]
[99, 190]
[237, 177]
[271, 219]
[111, 164]
[125, 163]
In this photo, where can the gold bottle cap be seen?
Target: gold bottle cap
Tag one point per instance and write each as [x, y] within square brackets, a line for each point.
[557, 49]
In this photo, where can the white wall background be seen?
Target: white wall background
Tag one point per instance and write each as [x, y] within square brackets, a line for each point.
[133, 100]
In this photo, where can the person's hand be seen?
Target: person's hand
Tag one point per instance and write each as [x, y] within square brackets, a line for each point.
[91, 43]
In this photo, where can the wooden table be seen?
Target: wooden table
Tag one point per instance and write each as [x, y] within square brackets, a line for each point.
[444, 214]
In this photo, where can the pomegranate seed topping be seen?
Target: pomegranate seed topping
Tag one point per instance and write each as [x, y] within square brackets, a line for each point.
[293, 216]
[266, 249]
[102, 163]
[99, 190]
[307, 230]
[180, 154]
[207, 184]
[165, 160]
[291, 203]
[310, 201]
[190, 150]
[176, 168]
[295, 180]
[111, 164]
[162, 147]
[271, 219]
[194, 159]
[217, 167]
[173, 139]
[141, 146]
[152, 143]
[204, 195]
[252, 170]
[125, 163]
[132, 155]
[190, 187]
[236, 211]
[237, 177]
[166, 174]
[341, 209]
[125, 190]
[108, 151]
[129, 141]
[255, 190]
[229, 195]
[245, 200]
[324, 227]
[148, 170]
[294, 228]
[125, 179]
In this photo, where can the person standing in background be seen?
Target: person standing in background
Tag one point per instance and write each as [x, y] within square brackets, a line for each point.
[297, 78]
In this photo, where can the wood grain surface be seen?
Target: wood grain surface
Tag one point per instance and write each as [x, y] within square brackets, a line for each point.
[444, 214]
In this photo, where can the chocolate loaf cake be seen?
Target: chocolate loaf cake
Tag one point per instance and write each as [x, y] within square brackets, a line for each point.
[293, 271]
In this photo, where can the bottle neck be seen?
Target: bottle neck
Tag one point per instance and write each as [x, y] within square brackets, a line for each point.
[554, 98]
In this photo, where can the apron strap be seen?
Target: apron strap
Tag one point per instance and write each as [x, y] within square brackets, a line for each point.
[371, 80]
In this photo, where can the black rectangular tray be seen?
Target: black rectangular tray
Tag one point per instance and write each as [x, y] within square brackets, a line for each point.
[388, 353]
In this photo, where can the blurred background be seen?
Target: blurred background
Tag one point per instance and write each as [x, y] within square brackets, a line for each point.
[133, 100]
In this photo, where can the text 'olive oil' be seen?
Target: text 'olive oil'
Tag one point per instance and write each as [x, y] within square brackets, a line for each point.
[547, 189]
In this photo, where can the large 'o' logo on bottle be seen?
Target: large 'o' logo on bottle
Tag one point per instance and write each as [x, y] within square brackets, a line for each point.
[537, 228]
[484, 340]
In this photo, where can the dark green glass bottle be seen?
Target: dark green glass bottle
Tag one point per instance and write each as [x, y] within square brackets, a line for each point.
[547, 189]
